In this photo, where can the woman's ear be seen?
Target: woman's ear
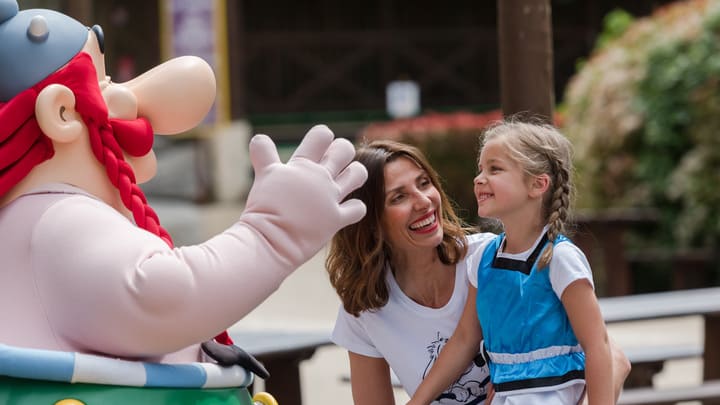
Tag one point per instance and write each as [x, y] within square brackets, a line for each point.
[539, 185]
[56, 114]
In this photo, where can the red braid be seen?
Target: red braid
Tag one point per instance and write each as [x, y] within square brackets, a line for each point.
[107, 151]
[79, 75]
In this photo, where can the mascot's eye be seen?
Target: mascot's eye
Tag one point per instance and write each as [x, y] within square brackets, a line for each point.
[100, 37]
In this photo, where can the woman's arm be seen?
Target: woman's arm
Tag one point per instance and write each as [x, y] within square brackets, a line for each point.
[583, 310]
[621, 367]
[370, 380]
[455, 356]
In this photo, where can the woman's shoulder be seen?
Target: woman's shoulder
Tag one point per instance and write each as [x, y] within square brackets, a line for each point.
[480, 237]
[478, 241]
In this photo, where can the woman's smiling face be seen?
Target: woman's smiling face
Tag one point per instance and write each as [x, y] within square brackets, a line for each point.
[412, 213]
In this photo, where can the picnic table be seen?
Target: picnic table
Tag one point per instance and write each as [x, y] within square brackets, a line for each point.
[281, 352]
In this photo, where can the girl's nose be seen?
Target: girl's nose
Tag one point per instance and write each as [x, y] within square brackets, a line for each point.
[479, 179]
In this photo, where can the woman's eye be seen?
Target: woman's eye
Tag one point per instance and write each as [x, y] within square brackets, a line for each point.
[396, 198]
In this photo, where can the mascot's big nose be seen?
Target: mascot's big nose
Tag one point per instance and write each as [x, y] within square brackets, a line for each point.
[176, 95]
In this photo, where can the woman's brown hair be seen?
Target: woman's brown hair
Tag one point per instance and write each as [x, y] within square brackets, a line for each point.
[358, 253]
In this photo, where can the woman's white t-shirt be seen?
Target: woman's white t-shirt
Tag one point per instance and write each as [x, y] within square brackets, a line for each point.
[409, 336]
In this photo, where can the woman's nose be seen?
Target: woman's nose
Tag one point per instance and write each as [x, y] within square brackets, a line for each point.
[422, 200]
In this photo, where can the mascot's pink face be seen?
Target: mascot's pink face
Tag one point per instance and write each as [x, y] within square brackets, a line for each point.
[121, 104]
[174, 97]
[90, 132]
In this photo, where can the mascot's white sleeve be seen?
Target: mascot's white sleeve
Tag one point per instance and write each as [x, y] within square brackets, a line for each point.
[112, 287]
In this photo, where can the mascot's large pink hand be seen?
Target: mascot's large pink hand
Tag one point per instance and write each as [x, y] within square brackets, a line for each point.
[298, 206]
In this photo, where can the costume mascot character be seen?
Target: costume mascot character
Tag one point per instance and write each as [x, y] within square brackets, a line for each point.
[96, 305]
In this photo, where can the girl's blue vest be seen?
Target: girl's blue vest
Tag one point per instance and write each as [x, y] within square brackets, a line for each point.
[527, 335]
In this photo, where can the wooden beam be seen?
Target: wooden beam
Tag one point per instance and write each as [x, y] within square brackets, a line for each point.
[237, 58]
[526, 57]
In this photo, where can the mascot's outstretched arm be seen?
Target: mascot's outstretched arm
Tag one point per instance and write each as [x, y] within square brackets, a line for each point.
[295, 205]
[86, 265]
[149, 299]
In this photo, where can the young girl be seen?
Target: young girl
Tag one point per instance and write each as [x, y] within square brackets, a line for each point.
[533, 301]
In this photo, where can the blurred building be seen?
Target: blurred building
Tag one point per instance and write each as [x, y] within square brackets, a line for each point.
[319, 60]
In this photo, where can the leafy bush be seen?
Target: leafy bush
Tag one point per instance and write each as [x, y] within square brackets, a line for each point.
[644, 115]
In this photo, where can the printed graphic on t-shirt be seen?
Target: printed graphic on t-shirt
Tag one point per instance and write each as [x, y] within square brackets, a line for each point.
[468, 389]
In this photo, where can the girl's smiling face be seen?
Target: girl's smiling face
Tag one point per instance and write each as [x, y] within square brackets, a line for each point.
[412, 210]
[501, 186]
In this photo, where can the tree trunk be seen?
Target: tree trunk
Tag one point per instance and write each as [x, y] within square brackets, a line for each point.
[526, 58]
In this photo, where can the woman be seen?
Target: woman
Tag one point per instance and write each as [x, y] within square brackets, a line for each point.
[400, 273]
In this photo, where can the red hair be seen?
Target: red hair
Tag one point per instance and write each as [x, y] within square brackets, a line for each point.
[23, 145]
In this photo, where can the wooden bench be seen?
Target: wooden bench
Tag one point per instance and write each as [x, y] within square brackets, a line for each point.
[650, 360]
[281, 352]
[708, 392]
[702, 301]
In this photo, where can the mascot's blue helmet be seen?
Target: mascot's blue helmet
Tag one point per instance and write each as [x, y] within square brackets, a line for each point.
[34, 43]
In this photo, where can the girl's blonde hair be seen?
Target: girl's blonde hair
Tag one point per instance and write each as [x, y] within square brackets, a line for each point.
[541, 149]
[359, 253]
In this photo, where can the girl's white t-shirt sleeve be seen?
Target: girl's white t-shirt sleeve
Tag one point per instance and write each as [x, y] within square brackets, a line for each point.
[351, 334]
[567, 265]
[476, 246]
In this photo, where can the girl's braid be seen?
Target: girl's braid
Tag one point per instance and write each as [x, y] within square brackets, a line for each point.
[559, 207]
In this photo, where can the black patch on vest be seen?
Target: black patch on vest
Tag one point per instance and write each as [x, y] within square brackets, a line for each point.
[540, 382]
[503, 263]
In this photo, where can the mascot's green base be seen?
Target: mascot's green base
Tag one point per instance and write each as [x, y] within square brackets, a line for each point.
[14, 391]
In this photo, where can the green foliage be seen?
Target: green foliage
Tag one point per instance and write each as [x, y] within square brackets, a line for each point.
[615, 24]
[680, 99]
[644, 115]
